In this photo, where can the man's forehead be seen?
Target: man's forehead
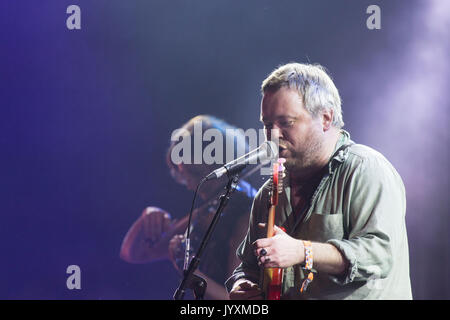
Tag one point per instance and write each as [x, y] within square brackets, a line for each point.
[284, 102]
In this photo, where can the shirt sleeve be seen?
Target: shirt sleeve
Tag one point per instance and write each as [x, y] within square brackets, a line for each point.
[248, 267]
[375, 206]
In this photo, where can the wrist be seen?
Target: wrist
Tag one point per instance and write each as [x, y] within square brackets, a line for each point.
[301, 252]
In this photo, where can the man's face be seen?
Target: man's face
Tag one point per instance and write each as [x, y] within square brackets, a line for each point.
[300, 134]
[191, 174]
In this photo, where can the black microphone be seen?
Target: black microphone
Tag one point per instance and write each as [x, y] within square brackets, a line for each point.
[265, 152]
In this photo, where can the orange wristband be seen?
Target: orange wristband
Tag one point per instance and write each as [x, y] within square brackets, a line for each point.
[308, 265]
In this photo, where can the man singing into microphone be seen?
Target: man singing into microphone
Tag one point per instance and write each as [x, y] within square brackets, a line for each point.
[343, 204]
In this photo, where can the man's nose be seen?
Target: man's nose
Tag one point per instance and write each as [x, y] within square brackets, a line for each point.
[274, 134]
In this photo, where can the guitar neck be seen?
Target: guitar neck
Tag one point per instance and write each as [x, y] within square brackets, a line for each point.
[271, 222]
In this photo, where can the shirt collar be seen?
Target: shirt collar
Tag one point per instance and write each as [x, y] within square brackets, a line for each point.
[340, 154]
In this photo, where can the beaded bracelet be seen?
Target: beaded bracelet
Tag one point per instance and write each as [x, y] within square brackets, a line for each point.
[308, 265]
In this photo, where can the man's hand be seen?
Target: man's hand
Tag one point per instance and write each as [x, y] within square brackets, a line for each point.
[244, 289]
[176, 251]
[155, 222]
[280, 251]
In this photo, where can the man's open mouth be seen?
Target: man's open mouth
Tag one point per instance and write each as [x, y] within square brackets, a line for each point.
[281, 148]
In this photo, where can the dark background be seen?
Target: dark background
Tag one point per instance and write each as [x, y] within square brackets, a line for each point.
[86, 117]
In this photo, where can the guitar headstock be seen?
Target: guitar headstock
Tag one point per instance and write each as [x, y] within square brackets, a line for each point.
[281, 174]
[278, 174]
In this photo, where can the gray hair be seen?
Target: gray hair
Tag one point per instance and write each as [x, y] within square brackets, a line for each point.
[314, 85]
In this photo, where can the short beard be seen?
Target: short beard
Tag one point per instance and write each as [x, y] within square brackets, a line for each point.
[302, 163]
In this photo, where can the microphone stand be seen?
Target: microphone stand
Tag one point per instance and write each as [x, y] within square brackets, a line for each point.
[190, 280]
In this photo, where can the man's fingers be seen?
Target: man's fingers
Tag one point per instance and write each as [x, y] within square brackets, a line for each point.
[246, 291]
[250, 295]
[266, 262]
[262, 243]
[167, 222]
[156, 221]
[275, 228]
[246, 295]
[278, 230]
[246, 286]
[261, 251]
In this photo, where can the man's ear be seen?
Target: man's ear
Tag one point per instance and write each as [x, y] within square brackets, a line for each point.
[327, 119]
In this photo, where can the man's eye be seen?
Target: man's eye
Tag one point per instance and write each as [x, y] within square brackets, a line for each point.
[286, 124]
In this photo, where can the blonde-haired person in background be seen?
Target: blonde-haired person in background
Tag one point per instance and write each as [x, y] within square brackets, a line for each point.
[155, 235]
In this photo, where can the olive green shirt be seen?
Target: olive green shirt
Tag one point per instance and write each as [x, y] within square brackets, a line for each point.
[358, 205]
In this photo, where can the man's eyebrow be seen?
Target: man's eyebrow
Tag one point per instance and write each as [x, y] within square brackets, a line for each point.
[262, 119]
